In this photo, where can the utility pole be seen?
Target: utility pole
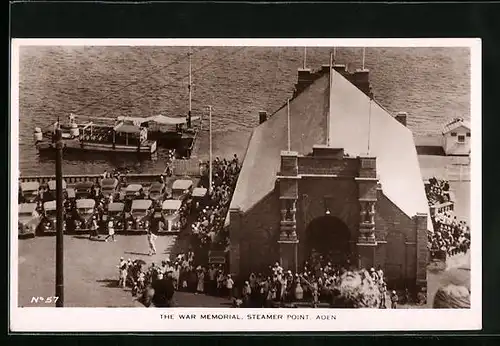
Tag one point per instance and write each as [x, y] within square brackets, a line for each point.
[190, 91]
[363, 66]
[59, 221]
[210, 148]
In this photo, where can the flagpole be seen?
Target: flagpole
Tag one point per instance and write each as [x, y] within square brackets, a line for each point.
[369, 120]
[334, 53]
[210, 148]
[305, 57]
[329, 100]
[288, 122]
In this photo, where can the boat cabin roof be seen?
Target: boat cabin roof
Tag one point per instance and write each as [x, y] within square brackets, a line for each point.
[141, 204]
[127, 128]
[84, 185]
[134, 187]
[50, 205]
[30, 186]
[182, 184]
[26, 208]
[85, 203]
[52, 185]
[109, 183]
[199, 192]
[116, 206]
[171, 204]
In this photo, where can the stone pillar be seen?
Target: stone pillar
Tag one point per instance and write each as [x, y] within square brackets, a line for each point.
[422, 250]
[367, 187]
[288, 182]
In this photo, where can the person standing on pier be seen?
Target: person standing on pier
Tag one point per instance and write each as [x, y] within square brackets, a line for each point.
[93, 229]
[151, 242]
[111, 231]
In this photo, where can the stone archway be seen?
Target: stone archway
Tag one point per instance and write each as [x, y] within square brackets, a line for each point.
[329, 237]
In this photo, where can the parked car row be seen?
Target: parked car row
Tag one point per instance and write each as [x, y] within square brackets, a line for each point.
[165, 211]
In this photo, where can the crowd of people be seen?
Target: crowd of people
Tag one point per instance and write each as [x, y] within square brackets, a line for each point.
[437, 191]
[208, 227]
[451, 236]
[319, 282]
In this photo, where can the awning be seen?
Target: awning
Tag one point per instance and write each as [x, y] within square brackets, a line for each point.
[165, 120]
[127, 128]
[134, 120]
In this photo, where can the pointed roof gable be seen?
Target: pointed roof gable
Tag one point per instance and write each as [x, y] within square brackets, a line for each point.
[355, 120]
[308, 112]
[390, 142]
[455, 124]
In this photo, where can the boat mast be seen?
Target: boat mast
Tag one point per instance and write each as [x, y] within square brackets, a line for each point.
[189, 88]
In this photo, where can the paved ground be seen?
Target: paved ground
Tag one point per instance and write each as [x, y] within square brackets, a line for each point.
[90, 280]
[89, 268]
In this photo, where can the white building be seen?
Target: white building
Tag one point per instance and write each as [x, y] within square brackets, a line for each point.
[456, 137]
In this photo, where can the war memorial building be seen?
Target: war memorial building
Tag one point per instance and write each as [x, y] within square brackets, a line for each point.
[345, 180]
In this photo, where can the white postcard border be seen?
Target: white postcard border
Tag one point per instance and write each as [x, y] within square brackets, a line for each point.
[40, 319]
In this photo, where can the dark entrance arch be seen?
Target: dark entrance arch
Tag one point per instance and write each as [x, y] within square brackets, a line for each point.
[329, 237]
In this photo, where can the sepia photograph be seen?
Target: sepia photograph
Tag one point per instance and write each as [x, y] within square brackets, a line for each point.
[316, 176]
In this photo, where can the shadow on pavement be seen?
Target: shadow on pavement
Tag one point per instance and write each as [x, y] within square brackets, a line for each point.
[108, 282]
[137, 253]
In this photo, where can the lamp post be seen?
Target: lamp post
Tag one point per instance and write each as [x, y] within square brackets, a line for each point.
[210, 149]
[59, 221]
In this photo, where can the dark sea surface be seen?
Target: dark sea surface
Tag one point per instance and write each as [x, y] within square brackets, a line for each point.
[431, 84]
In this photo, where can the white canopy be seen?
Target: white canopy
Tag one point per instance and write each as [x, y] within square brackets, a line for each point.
[165, 120]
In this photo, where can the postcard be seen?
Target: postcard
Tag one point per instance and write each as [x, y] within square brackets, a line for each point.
[245, 185]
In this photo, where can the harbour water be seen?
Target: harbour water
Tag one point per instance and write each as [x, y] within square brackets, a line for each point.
[431, 84]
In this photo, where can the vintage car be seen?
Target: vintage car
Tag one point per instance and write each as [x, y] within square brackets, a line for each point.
[181, 189]
[109, 187]
[140, 215]
[172, 219]
[29, 191]
[48, 223]
[84, 190]
[85, 212]
[116, 214]
[157, 192]
[29, 219]
[134, 191]
[198, 198]
[50, 195]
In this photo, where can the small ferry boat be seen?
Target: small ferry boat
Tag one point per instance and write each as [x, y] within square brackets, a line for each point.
[118, 138]
[127, 134]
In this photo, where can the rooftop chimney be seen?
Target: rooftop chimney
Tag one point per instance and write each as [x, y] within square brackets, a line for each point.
[361, 79]
[304, 79]
[262, 117]
[401, 117]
